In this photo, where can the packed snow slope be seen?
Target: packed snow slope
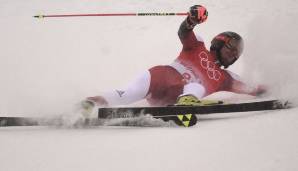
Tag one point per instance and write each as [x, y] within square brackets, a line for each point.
[47, 66]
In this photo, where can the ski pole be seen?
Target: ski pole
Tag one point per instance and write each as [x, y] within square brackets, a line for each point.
[111, 14]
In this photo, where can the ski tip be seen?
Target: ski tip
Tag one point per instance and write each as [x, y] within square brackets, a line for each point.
[283, 104]
[287, 104]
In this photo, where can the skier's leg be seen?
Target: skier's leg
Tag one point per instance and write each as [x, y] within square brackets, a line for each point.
[165, 86]
[135, 91]
[195, 89]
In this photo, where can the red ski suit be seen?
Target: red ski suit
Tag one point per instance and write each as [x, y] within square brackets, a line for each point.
[194, 64]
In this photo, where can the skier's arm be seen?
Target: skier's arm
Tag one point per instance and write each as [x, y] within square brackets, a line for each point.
[242, 88]
[197, 14]
[237, 85]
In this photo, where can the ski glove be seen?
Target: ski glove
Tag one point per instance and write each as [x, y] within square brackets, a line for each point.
[197, 14]
[261, 90]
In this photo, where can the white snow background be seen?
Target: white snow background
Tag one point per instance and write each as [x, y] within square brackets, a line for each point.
[47, 66]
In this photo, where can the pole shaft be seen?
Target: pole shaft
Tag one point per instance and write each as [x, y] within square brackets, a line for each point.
[111, 14]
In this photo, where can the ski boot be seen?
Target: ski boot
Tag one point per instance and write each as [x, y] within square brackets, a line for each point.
[190, 100]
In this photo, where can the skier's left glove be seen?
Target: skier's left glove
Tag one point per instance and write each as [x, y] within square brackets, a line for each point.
[261, 90]
[197, 15]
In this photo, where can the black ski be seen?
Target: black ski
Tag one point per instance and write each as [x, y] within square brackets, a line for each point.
[57, 121]
[182, 115]
[185, 115]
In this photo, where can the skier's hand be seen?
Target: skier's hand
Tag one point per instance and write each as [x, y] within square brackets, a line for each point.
[261, 90]
[197, 14]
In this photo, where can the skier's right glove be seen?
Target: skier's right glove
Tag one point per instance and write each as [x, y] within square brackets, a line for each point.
[196, 15]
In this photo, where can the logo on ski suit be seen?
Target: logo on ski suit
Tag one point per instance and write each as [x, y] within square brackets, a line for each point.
[120, 92]
[209, 67]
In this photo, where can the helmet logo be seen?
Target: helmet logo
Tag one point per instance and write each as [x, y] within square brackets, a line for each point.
[222, 38]
[209, 67]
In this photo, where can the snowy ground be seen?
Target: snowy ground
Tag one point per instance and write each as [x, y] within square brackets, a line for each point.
[49, 65]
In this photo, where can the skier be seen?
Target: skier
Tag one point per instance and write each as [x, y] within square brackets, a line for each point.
[195, 74]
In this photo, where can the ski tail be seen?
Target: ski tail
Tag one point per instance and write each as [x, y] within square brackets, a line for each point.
[18, 121]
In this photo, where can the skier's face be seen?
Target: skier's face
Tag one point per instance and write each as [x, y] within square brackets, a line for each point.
[229, 53]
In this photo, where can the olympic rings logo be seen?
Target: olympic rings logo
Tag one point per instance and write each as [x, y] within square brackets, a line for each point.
[209, 67]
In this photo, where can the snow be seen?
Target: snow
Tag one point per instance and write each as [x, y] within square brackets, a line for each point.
[47, 66]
